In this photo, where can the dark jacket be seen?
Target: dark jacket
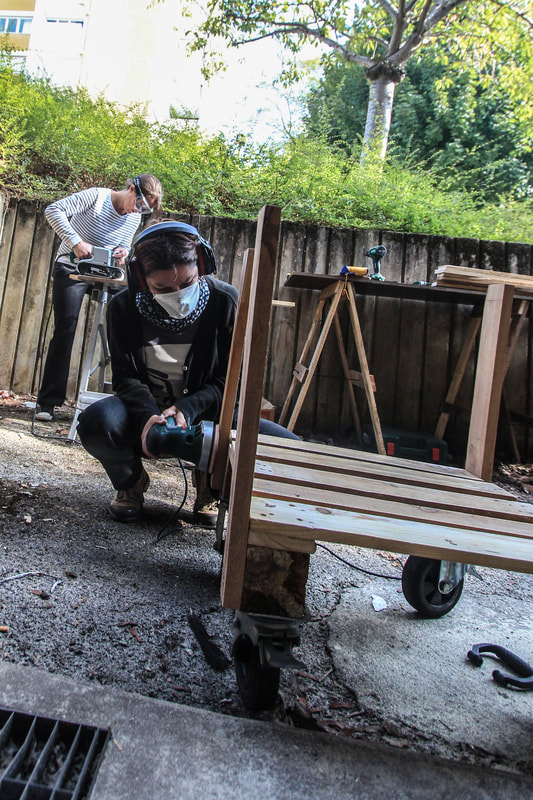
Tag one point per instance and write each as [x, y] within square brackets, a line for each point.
[205, 367]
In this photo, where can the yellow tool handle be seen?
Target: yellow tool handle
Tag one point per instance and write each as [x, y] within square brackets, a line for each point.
[360, 271]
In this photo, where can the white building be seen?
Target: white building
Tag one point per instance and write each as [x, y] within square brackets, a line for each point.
[132, 53]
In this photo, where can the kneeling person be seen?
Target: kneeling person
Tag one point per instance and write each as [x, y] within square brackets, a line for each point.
[169, 338]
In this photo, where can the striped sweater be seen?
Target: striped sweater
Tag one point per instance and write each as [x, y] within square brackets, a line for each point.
[90, 216]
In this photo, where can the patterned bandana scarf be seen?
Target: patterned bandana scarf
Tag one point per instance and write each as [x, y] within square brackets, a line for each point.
[154, 313]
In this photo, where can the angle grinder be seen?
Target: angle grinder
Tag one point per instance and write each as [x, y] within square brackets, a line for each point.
[196, 443]
[102, 264]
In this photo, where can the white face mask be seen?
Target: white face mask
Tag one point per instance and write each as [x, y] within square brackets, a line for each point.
[181, 303]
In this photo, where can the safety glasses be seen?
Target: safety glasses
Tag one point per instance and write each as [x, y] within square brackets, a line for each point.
[141, 203]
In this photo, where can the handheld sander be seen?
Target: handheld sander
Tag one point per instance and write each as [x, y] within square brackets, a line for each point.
[102, 264]
[196, 443]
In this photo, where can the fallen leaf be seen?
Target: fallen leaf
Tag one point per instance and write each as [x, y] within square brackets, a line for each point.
[41, 593]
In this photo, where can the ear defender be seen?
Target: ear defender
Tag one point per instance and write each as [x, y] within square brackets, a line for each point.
[206, 258]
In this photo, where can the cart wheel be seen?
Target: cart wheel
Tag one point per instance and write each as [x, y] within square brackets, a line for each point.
[258, 685]
[420, 584]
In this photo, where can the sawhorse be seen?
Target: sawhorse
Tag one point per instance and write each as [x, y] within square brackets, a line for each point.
[335, 292]
[99, 296]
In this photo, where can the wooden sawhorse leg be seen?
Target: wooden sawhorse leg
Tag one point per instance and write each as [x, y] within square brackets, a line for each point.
[304, 375]
[516, 323]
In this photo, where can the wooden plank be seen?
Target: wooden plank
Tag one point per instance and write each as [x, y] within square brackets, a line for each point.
[253, 375]
[380, 471]
[398, 536]
[366, 456]
[6, 241]
[13, 300]
[387, 492]
[441, 512]
[232, 376]
[490, 373]
[482, 278]
[26, 363]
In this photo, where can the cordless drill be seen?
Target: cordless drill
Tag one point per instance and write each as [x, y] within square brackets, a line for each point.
[376, 254]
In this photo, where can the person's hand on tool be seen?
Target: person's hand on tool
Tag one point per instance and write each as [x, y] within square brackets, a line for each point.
[83, 250]
[161, 419]
[155, 419]
[179, 419]
[120, 253]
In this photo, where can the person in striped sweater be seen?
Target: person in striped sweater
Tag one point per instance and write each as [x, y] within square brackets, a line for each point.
[90, 218]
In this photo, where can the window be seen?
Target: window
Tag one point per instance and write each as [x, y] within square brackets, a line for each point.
[15, 24]
[66, 21]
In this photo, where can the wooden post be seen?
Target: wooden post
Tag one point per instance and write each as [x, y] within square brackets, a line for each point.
[490, 372]
[253, 376]
[218, 472]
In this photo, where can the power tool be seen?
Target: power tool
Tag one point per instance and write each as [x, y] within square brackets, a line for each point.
[196, 443]
[102, 264]
[359, 272]
[376, 254]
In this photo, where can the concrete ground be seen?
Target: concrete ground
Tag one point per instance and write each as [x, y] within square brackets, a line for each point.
[166, 750]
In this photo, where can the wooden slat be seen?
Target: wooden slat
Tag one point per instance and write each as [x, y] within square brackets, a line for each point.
[481, 278]
[366, 456]
[439, 511]
[253, 376]
[506, 508]
[398, 536]
[384, 471]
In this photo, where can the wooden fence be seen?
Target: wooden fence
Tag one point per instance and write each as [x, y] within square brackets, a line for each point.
[412, 346]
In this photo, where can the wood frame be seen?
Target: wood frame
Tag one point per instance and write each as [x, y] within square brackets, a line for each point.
[286, 494]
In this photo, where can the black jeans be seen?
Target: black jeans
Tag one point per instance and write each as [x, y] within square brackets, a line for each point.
[106, 432]
[67, 297]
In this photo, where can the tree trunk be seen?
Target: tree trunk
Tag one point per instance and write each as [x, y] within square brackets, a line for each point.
[383, 78]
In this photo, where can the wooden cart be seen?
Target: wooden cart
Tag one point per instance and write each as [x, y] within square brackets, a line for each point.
[282, 496]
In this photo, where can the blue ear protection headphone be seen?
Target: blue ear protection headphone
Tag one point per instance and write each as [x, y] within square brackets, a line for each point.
[206, 258]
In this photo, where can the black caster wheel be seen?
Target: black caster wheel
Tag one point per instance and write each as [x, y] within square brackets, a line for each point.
[258, 685]
[420, 584]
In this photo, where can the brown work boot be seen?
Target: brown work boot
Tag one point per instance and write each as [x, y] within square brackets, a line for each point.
[127, 505]
[205, 509]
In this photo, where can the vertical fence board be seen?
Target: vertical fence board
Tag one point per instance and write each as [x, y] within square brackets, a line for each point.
[284, 341]
[518, 258]
[410, 363]
[392, 265]
[491, 253]
[9, 219]
[466, 253]
[35, 301]
[315, 260]
[16, 275]
[435, 378]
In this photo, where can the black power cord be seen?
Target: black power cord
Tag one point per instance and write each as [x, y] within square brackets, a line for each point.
[360, 569]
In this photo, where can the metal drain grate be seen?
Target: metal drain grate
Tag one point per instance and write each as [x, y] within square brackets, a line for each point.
[42, 758]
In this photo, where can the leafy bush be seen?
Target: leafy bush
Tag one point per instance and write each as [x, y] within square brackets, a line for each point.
[56, 140]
